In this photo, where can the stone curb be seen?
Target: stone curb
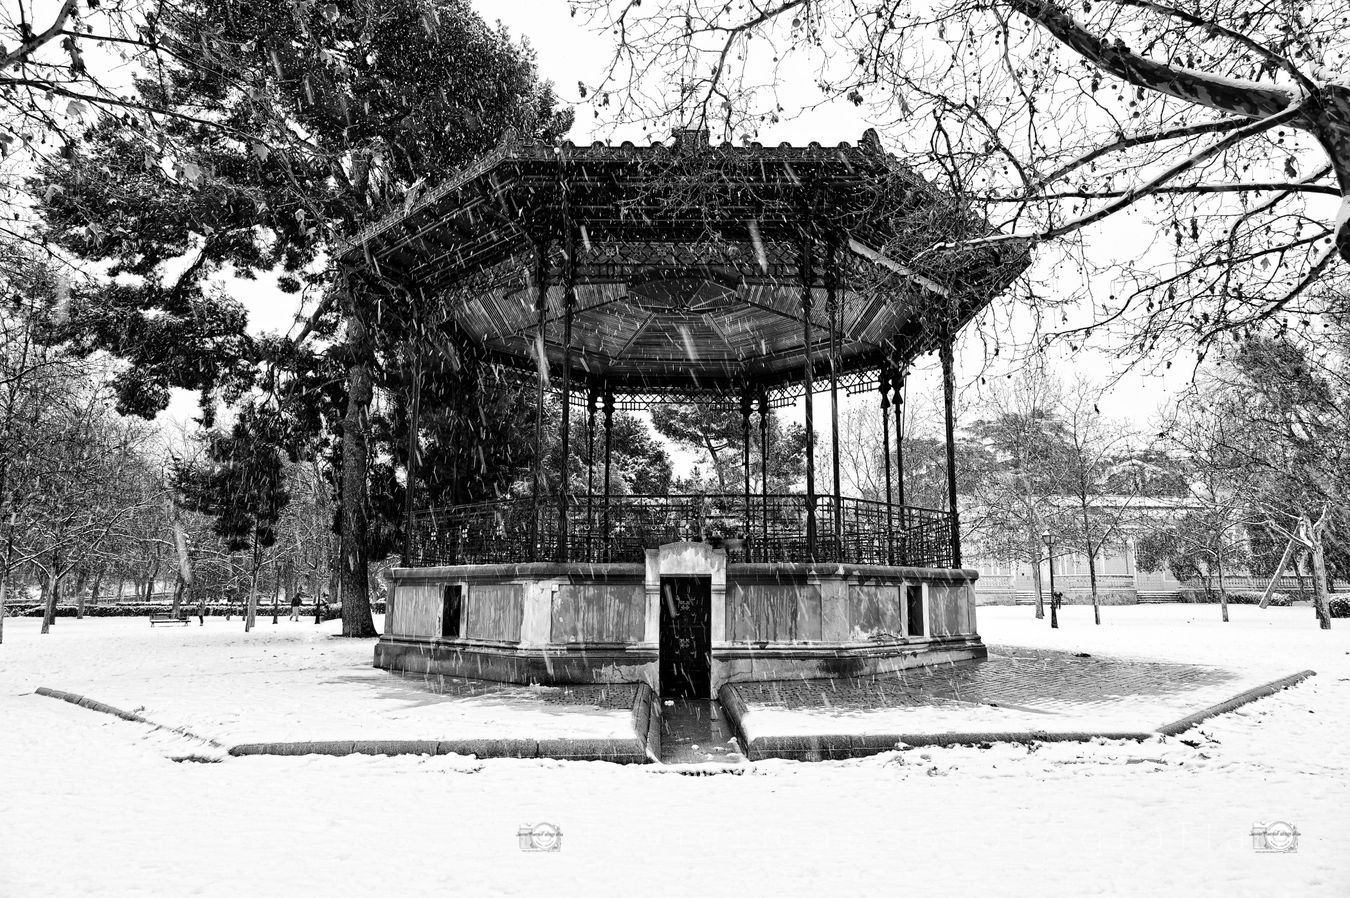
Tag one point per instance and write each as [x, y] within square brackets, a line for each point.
[1242, 698]
[734, 706]
[94, 705]
[647, 722]
[618, 751]
[841, 746]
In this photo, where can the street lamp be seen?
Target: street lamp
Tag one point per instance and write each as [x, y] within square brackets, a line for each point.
[1050, 557]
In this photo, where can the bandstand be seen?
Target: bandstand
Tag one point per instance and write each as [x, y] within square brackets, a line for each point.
[617, 277]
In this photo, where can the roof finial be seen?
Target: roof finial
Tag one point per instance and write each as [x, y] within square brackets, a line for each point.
[690, 138]
[871, 141]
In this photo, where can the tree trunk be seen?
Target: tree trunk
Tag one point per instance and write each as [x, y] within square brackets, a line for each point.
[716, 463]
[1279, 569]
[42, 597]
[93, 594]
[4, 570]
[334, 569]
[251, 610]
[1320, 601]
[354, 573]
[150, 580]
[183, 589]
[1319, 572]
[49, 599]
[1223, 591]
[276, 591]
[54, 594]
[1092, 579]
[81, 575]
[1034, 547]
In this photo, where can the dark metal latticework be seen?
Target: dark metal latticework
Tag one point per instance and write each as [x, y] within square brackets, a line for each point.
[515, 530]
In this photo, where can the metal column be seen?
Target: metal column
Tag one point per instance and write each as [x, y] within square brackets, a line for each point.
[949, 409]
[885, 388]
[592, 403]
[808, 377]
[764, 474]
[410, 480]
[541, 306]
[745, 454]
[569, 304]
[832, 310]
[608, 407]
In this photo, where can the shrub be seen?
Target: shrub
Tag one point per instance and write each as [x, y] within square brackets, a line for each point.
[189, 609]
[1339, 607]
[1277, 599]
[133, 609]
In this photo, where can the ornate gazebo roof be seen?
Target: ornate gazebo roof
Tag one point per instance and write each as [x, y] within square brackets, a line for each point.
[687, 265]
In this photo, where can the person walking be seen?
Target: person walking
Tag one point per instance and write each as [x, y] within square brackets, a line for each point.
[296, 601]
[320, 606]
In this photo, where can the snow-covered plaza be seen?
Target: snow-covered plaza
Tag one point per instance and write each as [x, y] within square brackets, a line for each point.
[93, 806]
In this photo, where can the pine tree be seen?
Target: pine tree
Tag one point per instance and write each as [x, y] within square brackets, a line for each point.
[322, 118]
[241, 484]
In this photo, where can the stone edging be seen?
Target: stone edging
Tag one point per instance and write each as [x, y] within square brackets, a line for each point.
[1242, 698]
[94, 705]
[636, 750]
[841, 746]
[645, 745]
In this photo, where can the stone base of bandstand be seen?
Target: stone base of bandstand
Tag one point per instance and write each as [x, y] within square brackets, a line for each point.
[556, 624]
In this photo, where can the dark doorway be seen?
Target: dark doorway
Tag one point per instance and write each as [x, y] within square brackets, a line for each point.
[914, 609]
[686, 637]
[452, 606]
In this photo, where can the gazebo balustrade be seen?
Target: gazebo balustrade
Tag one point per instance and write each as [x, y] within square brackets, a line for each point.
[776, 529]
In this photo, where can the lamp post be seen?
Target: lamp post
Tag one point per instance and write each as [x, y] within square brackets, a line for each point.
[1050, 557]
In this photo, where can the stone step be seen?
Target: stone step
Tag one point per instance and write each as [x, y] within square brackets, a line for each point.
[697, 731]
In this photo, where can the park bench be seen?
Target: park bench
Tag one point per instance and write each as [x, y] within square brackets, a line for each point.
[168, 619]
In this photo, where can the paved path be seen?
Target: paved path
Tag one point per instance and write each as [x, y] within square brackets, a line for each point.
[1032, 680]
[617, 696]
[1017, 692]
[697, 731]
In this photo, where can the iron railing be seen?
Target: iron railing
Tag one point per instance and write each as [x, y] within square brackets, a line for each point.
[769, 529]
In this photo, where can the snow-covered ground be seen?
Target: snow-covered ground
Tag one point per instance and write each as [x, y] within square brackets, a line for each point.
[284, 682]
[1273, 644]
[90, 806]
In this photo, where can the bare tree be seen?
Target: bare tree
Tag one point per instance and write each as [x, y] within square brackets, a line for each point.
[1290, 435]
[1093, 446]
[1018, 494]
[1211, 538]
[83, 486]
[1226, 124]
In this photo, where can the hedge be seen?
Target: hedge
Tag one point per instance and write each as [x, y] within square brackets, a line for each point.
[1278, 599]
[140, 609]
